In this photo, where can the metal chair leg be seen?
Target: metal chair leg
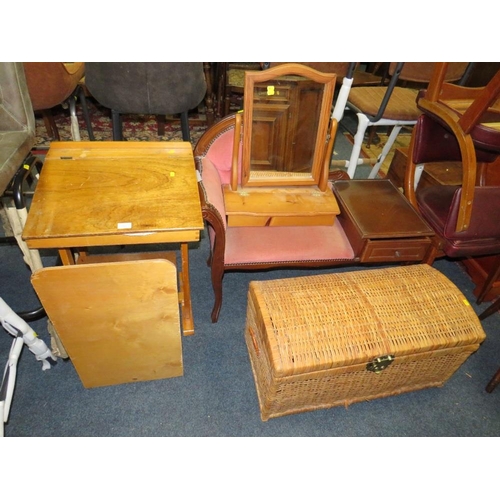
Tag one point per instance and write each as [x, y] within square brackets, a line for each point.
[353, 162]
[86, 114]
[117, 126]
[186, 136]
[17, 218]
[161, 121]
[17, 212]
[75, 128]
[385, 151]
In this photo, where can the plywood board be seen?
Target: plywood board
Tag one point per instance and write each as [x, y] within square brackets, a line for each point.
[118, 321]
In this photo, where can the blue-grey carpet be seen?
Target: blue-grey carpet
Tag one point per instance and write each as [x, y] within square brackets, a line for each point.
[216, 396]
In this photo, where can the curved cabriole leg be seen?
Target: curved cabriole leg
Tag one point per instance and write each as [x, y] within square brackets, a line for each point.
[216, 260]
[469, 166]
[216, 257]
[217, 276]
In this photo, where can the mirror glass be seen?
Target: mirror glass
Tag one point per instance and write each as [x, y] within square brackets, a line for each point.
[285, 126]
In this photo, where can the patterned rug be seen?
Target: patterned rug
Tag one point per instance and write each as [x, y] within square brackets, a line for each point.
[145, 128]
[135, 127]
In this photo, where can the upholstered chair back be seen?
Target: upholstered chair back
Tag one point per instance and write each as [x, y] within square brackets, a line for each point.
[146, 88]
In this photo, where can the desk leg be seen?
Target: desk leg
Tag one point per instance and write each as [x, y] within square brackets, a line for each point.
[185, 292]
[67, 257]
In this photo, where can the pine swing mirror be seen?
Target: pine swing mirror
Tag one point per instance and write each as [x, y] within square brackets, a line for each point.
[288, 134]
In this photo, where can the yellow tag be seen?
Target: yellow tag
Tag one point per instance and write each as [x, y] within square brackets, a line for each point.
[172, 174]
[270, 90]
[240, 111]
[466, 302]
[26, 167]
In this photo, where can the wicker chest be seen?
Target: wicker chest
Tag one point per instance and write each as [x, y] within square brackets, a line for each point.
[321, 341]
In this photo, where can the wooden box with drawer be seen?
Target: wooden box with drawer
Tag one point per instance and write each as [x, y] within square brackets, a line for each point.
[440, 173]
[380, 223]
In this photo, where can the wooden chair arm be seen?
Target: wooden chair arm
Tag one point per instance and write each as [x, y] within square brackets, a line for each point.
[211, 202]
[209, 212]
[409, 179]
[467, 149]
[480, 105]
[206, 140]
[74, 67]
[438, 102]
[435, 85]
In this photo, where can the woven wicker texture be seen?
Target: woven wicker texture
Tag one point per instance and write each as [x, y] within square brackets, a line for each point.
[310, 338]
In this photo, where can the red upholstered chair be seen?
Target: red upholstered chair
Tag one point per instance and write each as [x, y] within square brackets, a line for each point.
[252, 248]
[458, 123]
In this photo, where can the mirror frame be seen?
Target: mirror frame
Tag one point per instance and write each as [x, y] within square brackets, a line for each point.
[322, 136]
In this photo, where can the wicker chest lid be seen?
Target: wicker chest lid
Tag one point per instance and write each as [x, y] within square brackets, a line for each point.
[339, 319]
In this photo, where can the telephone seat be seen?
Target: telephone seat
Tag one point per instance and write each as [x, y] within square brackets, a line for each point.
[252, 248]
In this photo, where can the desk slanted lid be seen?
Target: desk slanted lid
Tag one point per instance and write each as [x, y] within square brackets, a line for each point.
[100, 189]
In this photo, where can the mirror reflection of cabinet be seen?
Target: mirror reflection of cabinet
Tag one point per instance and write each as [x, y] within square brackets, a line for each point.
[288, 132]
[284, 124]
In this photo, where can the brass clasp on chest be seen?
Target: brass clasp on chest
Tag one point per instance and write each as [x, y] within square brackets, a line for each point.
[379, 364]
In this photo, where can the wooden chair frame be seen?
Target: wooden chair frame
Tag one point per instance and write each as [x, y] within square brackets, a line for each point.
[459, 109]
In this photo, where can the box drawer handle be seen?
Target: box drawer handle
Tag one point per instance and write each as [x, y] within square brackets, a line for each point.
[254, 341]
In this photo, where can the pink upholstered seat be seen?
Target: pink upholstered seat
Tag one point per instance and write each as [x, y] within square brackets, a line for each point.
[286, 245]
[255, 247]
